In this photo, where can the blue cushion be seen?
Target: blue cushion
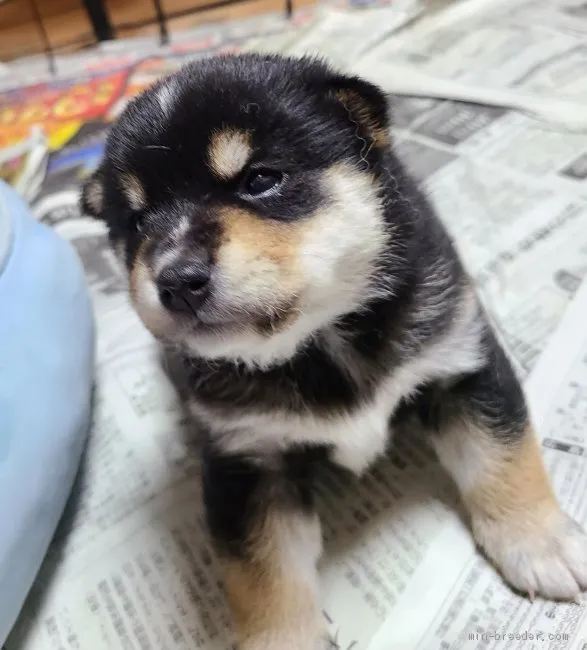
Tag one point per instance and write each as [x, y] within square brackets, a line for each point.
[46, 378]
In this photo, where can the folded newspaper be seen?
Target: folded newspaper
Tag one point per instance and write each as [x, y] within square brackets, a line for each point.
[131, 567]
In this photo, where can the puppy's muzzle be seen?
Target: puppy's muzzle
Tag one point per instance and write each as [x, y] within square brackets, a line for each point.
[184, 285]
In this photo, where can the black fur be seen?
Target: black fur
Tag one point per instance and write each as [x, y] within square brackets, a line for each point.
[297, 125]
[239, 491]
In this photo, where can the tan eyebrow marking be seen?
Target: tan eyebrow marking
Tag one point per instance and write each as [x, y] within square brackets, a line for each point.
[134, 191]
[94, 195]
[228, 152]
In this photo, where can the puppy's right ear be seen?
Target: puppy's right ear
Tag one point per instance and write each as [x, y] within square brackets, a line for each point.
[92, 195]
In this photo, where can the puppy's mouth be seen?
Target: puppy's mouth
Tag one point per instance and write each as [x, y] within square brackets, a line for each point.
[214, 318]
[213, 323]
[208, 317]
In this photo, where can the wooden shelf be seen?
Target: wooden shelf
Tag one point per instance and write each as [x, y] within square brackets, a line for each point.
[68, 26]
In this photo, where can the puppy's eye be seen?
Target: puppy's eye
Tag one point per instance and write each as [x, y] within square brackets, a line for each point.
[260, 181]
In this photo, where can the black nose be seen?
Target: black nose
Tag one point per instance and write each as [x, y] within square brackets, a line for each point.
[183, 286]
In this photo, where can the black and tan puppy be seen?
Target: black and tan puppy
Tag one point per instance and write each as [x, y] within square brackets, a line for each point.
[271, 234]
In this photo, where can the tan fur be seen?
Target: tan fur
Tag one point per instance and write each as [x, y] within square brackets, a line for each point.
[272, 596]
[94, 196]
[262, 237]
[514, 483]
[514, 516]
[259, 258]
[360, 111]
[139, 267]
[497, 479]
[134, 191]
[228, 152]
[263, 599]
[139, 273]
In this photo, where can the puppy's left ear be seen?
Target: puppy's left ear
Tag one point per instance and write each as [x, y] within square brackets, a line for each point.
[366, 105]
[92, 195]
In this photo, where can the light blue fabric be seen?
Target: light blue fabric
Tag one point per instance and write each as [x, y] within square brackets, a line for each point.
[46, 378]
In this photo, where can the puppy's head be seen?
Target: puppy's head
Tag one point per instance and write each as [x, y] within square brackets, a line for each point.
[242, 195]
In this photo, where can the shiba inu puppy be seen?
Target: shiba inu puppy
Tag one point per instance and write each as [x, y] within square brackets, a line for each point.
[271, 234]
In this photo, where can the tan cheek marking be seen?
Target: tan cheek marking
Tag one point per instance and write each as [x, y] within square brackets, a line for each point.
[262, 237]
[133, 191]
[260, 259]
[228, 152]
[360, 111]
[514, 482]
[140, 269]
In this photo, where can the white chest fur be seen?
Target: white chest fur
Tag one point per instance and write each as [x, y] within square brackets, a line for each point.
[357, 438]
[361, 435]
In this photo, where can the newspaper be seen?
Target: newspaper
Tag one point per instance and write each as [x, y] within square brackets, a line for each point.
[341, 36]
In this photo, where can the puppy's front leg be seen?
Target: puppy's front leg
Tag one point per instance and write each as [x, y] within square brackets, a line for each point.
[487, 443]
[267, 536]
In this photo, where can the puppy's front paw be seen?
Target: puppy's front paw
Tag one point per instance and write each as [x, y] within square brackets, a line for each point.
[538, 555]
